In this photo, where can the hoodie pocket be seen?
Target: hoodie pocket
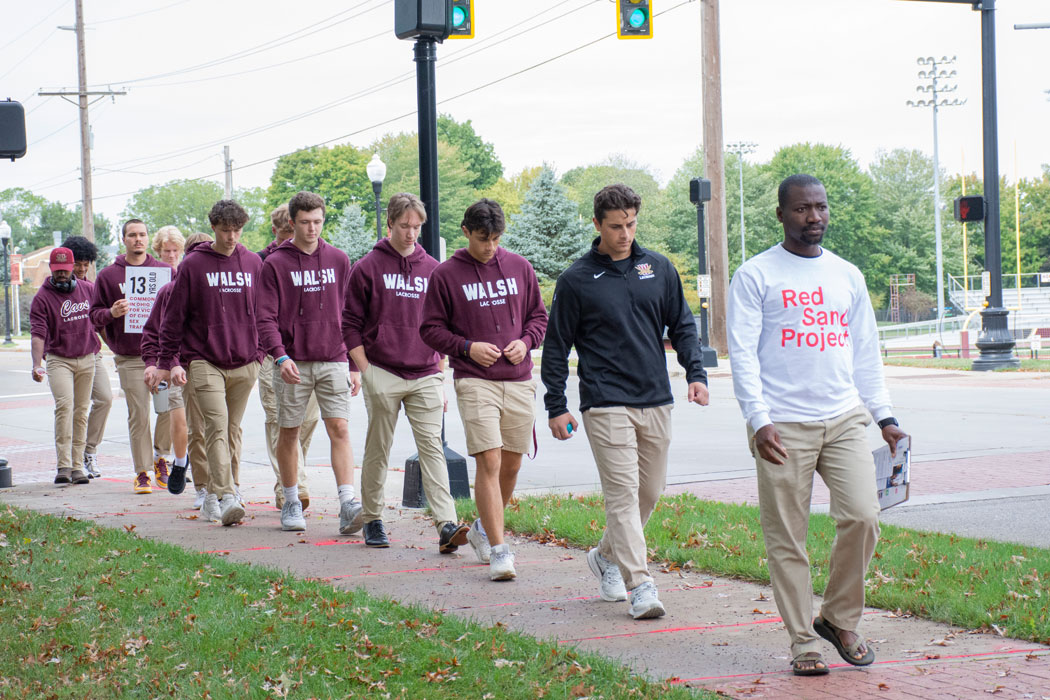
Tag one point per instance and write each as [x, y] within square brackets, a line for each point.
[227, 345]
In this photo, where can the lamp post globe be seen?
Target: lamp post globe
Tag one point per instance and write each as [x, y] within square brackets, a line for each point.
[376, 170]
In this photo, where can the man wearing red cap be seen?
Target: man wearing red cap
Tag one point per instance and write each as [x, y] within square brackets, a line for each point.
[62, 331]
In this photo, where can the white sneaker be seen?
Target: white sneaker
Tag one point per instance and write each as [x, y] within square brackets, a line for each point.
[240, 498]
[479, 542]
[210, 509]
[91, 466]
[198, 502]
[644, 602]
[612, 588]
[501, 563]
[231, 508]
[292, 516]
[351, 517]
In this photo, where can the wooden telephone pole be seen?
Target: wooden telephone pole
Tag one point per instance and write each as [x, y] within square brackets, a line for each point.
[82, 94]
[714, 170]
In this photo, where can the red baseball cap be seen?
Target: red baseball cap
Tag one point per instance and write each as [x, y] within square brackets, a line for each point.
[61, 259]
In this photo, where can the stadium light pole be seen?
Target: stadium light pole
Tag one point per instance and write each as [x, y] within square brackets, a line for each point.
[740, 148]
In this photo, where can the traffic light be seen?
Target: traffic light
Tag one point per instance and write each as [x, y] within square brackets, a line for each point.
[634, 19]
[427, 18]
[462, 19]
[970, 208]
[12, 129]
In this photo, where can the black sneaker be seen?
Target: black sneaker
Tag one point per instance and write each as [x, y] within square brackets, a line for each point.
[375, 534]
[453, 536]
[177, 479]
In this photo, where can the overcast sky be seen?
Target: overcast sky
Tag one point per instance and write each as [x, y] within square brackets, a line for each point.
[539, 81]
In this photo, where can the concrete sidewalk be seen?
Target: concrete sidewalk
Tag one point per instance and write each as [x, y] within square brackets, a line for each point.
[719, 634]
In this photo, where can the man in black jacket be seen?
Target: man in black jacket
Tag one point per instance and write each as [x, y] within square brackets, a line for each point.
[613, 305]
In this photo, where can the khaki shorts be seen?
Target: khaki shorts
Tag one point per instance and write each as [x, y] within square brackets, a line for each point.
[330, 381]
[175, 399]
[497, 414]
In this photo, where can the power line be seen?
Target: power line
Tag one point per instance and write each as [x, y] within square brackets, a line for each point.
[258, 48]
[46, 17]
[29, 55]
[137, 14]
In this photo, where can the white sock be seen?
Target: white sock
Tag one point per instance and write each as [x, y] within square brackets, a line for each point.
[180, 461]
[291, 493]
[481, 528]
[346, 493]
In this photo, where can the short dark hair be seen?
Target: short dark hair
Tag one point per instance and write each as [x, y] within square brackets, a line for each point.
[83, 249]
[484, 215]
[124, 228]
[796, 180]
[227, 212]
[618, 197]
[305, 201]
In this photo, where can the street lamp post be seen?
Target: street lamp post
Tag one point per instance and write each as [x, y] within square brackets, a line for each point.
[931, 86]
[5, 236]
[740, 148]
[376, 170]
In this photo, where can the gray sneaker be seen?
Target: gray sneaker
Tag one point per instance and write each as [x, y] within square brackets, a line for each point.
[644, 602]
[91, 466]
[612, 588]
[351, 517]
[210, 509]
[479, 542]
[501, 563]
[240, 498]
[232, 512]
[198, 502]
[292, 516]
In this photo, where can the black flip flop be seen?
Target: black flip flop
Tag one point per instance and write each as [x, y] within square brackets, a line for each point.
[813, 656]
[829, 632]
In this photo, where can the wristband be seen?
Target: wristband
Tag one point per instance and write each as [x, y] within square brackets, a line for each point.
[466, 348]
[888, 421]
[280, 359]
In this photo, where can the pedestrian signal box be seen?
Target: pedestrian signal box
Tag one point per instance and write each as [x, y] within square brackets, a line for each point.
[634, 19]
[462, 19]
[969, 208]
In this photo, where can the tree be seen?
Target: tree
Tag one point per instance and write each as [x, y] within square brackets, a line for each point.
[668, 224]
[549, 231]
[584, 182]
[336, 173]
[258, 232]
[20, 208]
[511, 193]
[479, 155]
[352, 234]
[181, 203]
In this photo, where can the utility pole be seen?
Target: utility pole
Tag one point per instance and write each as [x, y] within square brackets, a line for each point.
[229, 172]
[740, 148]
[82, 93]
[931, 86]
[714, 170]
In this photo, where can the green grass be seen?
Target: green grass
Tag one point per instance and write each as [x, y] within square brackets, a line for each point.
[92, 612]
[963, 363]
[976, 584]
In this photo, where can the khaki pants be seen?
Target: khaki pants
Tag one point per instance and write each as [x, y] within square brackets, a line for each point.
[222, 395]
[70, 381]
[630, 449]
[101, 400]
[268, 397]
[837, 449]
[162, 434]
[130, 370]
[384, 395]
[195, 433]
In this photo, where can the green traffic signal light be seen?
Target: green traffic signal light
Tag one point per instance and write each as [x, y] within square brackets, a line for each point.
[637, 18]
[462, 19]
[459, 16]
[634, 19]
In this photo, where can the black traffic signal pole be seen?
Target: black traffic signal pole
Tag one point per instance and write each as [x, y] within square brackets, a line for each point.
[700, 192]
[426, 108]
[995, 342]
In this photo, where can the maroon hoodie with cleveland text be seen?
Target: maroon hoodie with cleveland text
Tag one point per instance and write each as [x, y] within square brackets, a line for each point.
[301, 297]
[211, 313]
[109, 288]
[384, 307]
[495, 302]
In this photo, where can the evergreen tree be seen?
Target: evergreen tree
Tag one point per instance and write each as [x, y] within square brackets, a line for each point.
[549, 231]
[351, 234]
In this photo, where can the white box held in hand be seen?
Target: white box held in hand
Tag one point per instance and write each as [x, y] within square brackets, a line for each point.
[893, 473]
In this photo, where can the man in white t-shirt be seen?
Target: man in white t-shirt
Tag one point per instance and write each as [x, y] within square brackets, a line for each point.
[808, 376]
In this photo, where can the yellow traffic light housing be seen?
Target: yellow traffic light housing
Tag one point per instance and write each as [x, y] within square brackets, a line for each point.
[462, 19]
[634, 19]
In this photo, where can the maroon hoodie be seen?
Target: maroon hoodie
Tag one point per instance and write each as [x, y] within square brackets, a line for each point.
[109, 287]
[211, 311]
[150, 346]
[496, 302]
[384, 307]
[300, 298]
[272, 246]
[63, 320]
